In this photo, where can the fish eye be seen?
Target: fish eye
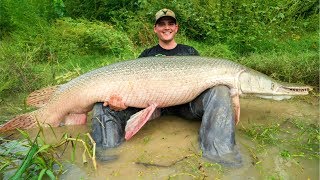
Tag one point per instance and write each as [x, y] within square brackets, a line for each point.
[272, 85]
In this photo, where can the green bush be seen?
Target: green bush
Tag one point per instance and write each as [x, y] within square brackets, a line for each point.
[288, 67]
[16, 70]
[34, 48]
[82, 37]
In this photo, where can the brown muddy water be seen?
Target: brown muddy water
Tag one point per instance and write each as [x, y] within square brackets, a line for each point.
[167, 148]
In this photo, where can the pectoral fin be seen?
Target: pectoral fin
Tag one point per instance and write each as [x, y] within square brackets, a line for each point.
[236, 108]
[136, 121]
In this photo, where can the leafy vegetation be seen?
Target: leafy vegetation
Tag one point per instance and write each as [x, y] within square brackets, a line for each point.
[303, 139]
[36, 159]
[289, 142]
[40, 41]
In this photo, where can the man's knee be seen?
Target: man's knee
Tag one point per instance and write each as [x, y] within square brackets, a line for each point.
[217, 96]
[107, 126]
[217, 127]
[209, 99]
[97, 109]
[220, 91]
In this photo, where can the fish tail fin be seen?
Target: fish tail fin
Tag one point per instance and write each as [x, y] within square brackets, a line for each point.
[40, 97]
[23, 121]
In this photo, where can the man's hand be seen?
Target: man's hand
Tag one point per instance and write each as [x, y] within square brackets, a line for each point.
[115, 103]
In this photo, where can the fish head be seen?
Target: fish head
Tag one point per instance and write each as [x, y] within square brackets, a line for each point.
[258, 84]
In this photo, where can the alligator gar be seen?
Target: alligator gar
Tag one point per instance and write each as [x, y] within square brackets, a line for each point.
[150, 83]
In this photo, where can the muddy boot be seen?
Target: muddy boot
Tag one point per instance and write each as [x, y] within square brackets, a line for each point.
[217, 130]
[107, 131]
[107, 127]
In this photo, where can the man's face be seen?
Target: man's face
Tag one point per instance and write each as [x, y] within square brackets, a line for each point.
[166, 29]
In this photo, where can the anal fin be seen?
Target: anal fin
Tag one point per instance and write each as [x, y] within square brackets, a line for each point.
[75, 119]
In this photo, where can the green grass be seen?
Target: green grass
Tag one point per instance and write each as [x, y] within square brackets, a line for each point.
[36, 159]
[293, 137]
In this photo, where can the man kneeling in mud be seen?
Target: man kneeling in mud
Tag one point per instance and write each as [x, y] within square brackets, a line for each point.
[213, 107]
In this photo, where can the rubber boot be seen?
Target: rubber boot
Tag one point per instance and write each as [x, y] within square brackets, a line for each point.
[108, 125]
[217, 130]
[107, 128]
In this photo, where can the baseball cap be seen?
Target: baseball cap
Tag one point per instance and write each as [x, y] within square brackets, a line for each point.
[165, 13]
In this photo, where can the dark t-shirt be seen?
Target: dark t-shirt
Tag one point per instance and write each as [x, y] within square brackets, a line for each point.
[179, 50]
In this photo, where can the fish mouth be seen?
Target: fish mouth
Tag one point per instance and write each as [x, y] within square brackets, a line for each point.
[284, 92]
[290, 90]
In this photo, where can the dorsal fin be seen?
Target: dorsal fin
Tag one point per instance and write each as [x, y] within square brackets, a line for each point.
[40, 97]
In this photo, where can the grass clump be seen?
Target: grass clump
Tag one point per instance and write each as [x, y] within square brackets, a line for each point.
[35, 159]
[294, 138]
[82, 37]
[286, 67]
[31, 160]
